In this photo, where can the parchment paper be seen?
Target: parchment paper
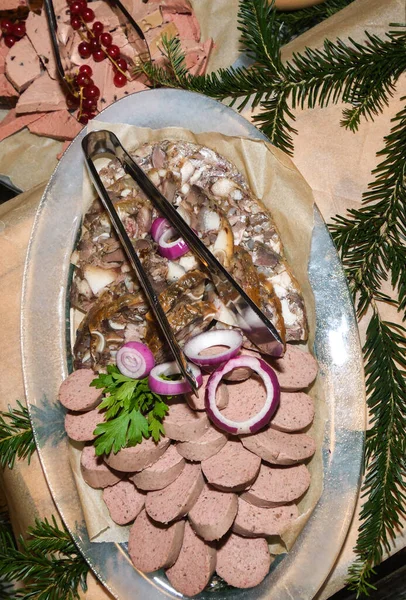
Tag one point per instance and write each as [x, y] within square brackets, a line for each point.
[274, 179]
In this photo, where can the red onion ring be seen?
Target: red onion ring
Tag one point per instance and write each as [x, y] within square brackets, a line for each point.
[259, 420]
[135, 360]
[232, 338]
[158, 227]
[166, 387]
[172, 250]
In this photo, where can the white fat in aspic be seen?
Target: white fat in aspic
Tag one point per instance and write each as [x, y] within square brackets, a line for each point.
[221, 242]
[102, 236]
[115, 325]
[125, 193]
[154, 176]
[98, 278]
[185, 189]
[186, 171]
[196, 175]
[175, 272]
[237, 195]
[74, 259]
[223, 187]
[162, 172]
[289, 317]
[188, 262]
[283, 280]
[184, 214]
[209, 220]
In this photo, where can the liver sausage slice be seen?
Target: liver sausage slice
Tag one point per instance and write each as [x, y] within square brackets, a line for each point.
[80, 426]
[43, 95]
[278, 485]
[295, 412]
[243, 562]
[12, 123]
[280, 448]
[22, 64]
[214, 513]
[197, 402]
[76, 394]
[211, 442]
[123, 501]
[39, 36]
[184, 424]
[154, 546]
[162, 473]
[94, 471]
[232, 469]
[59, 125]
[253, 521]
[194, 566]
[137, 457]
[296, 370]
[176, 500]
[246, 398]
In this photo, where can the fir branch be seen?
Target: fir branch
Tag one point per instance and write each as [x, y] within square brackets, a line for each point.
[16, 436]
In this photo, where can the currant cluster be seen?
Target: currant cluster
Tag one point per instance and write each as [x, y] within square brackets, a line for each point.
[12, 32]
[87, 95]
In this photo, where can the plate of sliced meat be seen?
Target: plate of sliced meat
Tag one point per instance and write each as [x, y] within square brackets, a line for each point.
[249, 484]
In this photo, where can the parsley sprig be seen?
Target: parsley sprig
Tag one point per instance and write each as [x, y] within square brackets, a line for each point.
[132, 412]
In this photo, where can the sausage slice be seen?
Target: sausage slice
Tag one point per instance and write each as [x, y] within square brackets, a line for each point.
[280, 448]
[194, 566]
[211, 442]
[80, 426]
[232, 469]
[154, 546]
[162, 473]
[184, 424]
[246, 398]
[295, 412]
[296, 370]
[197, 402]
[253, 521]
[176, 500]
[278, 485]
[76, 394]
[243, 562]
[95, 472]
[214, 513]
[124, 502]
[137, 457]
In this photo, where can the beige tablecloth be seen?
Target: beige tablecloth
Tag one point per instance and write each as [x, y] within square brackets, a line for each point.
[337, 165]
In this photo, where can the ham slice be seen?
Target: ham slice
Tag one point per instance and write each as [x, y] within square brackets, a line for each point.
[43, 95]
[39, 36]
[59, 125]
[22, 65]
[13, 123]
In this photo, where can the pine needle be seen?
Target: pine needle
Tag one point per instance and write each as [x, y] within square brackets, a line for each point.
[16, 436]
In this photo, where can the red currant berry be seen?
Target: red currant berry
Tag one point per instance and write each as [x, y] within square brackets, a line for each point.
[119, 80]
[98, 55]
[75, 22]
[86, 69]
[113, 51]
[84, 118]
[84, 49]
[19, 29]
[83, 80]
[122, 64]
[10, 40]
[91, 91]
[106, 39]
[76, 8]
[6, 26]
[89, 105]
[87, 15]
[97, 28]
[72, 101]
[94, 45]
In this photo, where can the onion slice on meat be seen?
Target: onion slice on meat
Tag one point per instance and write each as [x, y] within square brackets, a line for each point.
[135, 360]
[231, 338]
[172, 250]
[158, 227]
[259, 420]
[166, 387]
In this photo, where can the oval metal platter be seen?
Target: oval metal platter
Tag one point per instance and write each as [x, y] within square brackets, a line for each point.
[45, 335]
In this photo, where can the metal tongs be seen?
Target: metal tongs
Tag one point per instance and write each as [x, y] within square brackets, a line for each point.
[252, 321]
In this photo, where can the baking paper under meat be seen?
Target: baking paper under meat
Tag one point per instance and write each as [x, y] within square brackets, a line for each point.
[274, 179]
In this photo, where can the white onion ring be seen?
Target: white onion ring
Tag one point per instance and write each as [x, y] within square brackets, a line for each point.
[158, 227]
[262, 418]
[172, 250]
[232, 338]
[166, 387]
[135, 360]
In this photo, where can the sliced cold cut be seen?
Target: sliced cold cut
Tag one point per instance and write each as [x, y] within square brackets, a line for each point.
[243, 562]
[184, 424]
[94, 470]
[124, 502]
[194, 566]
[211, 442]
[294, 413]
[137, 457]
[197, 402]
[275, 486]
[76, 394]
[241, 373]
[162, 473]
[154, 546]
[254, 521]
[214, 513]
[80, 426]
[176, 500]
[246, 399]
[296, 370]
[279, 448]
[232, 469]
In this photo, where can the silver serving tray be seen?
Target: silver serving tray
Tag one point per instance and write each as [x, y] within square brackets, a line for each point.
[45, 334]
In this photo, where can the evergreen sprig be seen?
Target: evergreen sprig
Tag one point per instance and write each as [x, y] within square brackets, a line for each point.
[48, 563]
[16, 436]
